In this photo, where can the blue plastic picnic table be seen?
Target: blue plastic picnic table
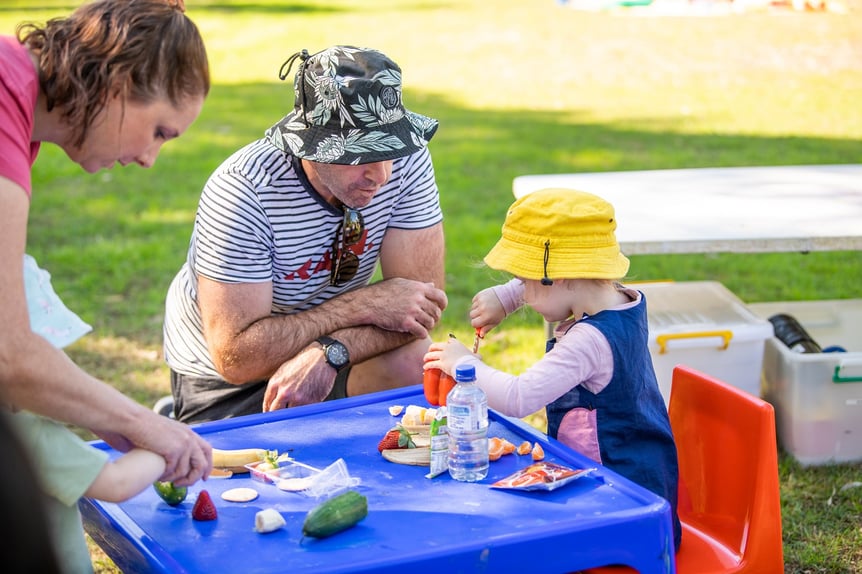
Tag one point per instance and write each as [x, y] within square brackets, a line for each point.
[414, 524]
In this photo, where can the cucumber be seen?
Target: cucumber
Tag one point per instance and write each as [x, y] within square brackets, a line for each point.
[173, 495]
[336, 514]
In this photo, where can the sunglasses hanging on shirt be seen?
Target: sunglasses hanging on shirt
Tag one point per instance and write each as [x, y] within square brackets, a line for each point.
[345, 263]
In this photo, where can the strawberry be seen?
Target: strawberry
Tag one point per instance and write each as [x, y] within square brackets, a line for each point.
[389, 440]
[396, 438]
[204, 509]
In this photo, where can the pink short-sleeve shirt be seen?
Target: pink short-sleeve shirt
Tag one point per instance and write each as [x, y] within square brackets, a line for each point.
[19, 88]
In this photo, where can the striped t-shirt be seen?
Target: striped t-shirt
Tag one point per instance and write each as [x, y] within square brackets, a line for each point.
[259, 220]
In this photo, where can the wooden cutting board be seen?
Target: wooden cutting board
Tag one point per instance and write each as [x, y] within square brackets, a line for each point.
[414, 456]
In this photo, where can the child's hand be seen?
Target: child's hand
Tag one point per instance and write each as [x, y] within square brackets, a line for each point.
[444, 355]
[487, 311]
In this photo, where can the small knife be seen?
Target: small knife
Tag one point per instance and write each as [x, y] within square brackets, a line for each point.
[477, 339]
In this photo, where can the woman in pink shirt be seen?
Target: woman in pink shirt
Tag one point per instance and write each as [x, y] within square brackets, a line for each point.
[109, 84]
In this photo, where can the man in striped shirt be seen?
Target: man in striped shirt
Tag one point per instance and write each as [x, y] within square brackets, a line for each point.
[274, 306]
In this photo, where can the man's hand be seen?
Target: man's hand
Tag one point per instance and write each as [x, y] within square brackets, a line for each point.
[403, 305]
[302, 380]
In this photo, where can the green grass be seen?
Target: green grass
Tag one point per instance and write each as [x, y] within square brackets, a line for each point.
[519, 87]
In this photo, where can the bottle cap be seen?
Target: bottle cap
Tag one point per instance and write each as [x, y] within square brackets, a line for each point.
[465, 373]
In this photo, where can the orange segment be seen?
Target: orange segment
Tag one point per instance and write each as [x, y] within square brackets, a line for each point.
[524, 448]
[538, 452]
[508, 447]
[495, 448]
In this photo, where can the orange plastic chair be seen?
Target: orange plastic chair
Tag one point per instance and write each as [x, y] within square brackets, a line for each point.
[729, 502]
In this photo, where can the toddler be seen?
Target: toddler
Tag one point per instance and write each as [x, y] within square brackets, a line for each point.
[596, 379]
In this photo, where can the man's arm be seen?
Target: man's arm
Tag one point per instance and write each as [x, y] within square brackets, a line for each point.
[413, 254]
[382, 358]
[248, 343]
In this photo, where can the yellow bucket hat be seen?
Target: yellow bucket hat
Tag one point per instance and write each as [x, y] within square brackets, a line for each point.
[559, 234]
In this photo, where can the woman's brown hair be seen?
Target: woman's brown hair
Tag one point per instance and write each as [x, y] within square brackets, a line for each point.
[145, 49]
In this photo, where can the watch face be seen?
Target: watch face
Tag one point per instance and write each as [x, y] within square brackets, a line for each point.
[337, 355]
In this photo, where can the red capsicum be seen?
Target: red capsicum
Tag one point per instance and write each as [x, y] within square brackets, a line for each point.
[436, 384]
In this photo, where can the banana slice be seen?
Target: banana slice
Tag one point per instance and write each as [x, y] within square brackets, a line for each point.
[268, 520]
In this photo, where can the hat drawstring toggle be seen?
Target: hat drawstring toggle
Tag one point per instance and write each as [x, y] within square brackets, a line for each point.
[547, 280]
[284, 71]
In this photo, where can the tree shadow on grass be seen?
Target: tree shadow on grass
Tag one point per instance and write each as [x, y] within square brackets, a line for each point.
[114, 252]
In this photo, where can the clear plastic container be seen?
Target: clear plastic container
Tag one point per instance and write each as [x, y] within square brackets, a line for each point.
[287, 469]
[817, 396]
[294, 476]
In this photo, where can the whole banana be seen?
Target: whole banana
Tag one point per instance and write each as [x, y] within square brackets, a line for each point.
[236, 459]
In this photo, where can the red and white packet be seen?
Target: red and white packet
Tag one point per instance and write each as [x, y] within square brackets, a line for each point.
[541, 475]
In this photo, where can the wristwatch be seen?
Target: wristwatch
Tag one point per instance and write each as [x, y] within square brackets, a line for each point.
[336, 354]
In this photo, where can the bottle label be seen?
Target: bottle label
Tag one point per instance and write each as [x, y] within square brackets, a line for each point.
[462, 417]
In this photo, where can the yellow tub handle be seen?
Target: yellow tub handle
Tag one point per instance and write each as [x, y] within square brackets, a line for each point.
[662, 340]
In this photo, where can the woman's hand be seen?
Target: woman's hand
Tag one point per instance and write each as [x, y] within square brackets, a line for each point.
[188, 457]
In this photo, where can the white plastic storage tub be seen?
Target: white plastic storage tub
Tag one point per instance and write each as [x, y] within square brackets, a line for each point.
[817, 396]
[703, 325]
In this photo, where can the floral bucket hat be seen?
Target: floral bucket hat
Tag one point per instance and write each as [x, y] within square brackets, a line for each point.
[348, 110]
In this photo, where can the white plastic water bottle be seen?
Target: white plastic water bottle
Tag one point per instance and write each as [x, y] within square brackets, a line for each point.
[467, 425]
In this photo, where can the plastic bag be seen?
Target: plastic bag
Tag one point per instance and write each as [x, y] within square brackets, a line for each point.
[332, 480]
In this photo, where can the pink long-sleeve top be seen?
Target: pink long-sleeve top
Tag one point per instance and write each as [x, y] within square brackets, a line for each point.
[581, 354]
